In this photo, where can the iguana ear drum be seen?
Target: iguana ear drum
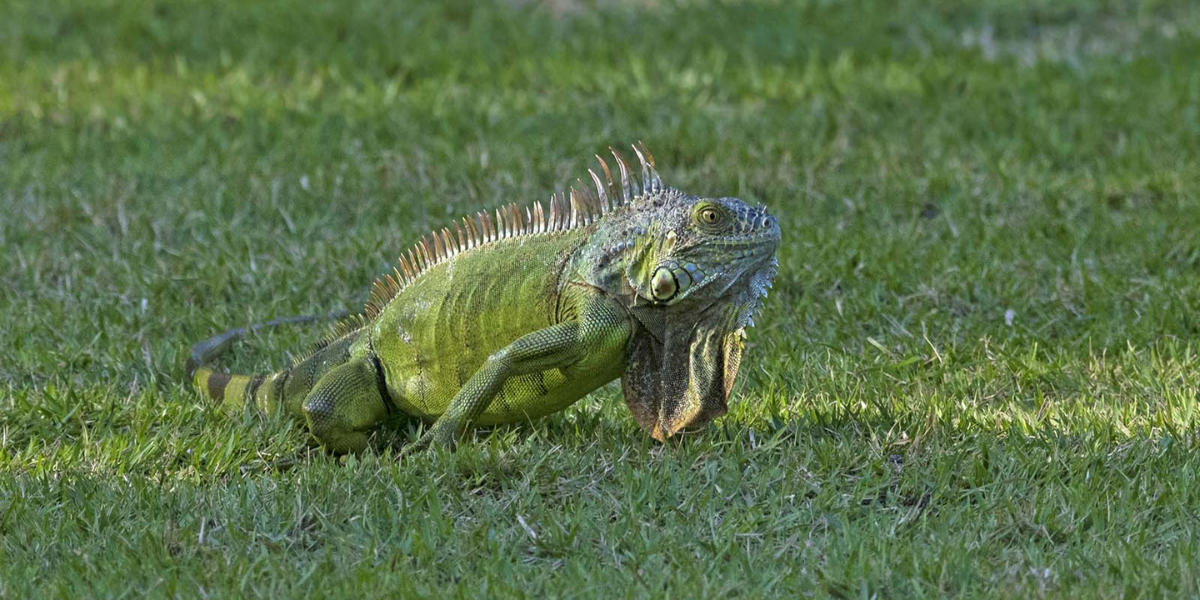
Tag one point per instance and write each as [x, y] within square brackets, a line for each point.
[664, 285]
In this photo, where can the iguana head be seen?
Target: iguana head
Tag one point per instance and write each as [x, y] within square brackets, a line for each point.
[691, 252]
[692, 270]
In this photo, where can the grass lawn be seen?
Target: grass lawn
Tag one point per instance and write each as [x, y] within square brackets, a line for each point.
[977, 375]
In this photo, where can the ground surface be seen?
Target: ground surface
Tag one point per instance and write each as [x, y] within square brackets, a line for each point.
[977, 376]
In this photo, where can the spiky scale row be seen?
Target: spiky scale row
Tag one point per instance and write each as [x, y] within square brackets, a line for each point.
[339, 330]
[578, 207]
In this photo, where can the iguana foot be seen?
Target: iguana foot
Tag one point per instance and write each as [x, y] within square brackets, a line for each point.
[440, 435]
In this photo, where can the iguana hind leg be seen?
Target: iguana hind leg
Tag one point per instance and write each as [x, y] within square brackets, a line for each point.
[344, 404]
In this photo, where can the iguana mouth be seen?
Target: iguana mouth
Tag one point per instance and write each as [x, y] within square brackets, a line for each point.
[763, 241]
[751, 242]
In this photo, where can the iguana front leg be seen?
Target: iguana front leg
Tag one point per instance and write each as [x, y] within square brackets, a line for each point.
[601, 325]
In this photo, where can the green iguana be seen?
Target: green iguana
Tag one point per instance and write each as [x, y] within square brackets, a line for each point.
[518, 315]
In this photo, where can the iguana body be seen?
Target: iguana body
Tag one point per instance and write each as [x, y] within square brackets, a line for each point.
[518, 316]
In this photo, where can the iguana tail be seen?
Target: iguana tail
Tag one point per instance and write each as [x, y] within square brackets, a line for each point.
[234, 391]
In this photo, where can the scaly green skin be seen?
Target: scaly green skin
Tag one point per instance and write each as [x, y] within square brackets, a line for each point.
[519, 316]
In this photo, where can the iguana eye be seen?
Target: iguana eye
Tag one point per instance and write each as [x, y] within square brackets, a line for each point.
[709, 216]
[663, 285]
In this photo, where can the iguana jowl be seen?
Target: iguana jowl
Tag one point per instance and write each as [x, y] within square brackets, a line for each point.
[518, 315]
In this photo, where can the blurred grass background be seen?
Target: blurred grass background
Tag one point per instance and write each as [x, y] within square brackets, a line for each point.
[976, 376]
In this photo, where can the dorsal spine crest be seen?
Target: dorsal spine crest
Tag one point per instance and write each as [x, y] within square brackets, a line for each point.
[580, 206]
